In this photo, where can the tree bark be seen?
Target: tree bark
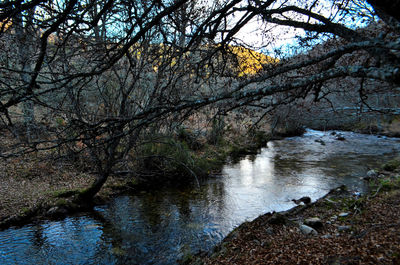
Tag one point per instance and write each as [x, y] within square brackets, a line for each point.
[24, 52]
[88, 194]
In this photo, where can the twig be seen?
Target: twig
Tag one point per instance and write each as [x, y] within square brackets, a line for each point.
[376, 193]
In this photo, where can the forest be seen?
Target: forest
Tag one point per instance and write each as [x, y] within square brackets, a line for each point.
[101, 97]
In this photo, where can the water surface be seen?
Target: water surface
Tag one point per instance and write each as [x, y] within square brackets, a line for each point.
[161, 226]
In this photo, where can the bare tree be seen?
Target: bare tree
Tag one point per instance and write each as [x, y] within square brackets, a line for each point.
[110, 72]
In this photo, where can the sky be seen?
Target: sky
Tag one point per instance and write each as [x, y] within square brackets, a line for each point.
[269, 38]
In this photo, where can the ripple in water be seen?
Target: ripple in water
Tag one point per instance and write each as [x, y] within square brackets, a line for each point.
[162, 226]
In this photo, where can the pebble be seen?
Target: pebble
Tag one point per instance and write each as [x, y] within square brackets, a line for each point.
[330, 201]
[333, 218]
[343, 228]
[269, 231]
[343, 214]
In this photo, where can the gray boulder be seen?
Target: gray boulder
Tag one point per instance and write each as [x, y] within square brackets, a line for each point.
[277, 219]
[306, 230]
[372, 174]
[313, 222]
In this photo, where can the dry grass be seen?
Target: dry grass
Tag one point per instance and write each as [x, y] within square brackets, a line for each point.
[393, 128]
[27, 182]
[33, 181]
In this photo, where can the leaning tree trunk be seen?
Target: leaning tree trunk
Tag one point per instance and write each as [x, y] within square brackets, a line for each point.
[88, 194]
[104, 168]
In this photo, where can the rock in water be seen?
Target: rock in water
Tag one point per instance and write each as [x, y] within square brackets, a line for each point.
[372, 174]
[306, 230]
[305, 200]
[340, 137]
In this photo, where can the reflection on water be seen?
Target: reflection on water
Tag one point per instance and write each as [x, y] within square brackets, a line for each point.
[159, 227]
[72, 241]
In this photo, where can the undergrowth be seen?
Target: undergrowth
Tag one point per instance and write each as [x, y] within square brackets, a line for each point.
[186, 155]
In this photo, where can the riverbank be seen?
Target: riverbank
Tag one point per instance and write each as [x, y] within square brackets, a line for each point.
[36, 186]
[190, 213]
[33, 189]
[340, 228]
[389, 128]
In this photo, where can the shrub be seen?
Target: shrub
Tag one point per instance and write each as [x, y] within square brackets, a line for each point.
[392, 165]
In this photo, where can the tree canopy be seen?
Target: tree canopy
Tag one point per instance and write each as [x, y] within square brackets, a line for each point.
[94, 76]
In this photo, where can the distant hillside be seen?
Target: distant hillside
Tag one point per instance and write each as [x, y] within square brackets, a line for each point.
[250, 62]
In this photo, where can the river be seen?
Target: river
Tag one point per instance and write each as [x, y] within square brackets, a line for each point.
[161, 226]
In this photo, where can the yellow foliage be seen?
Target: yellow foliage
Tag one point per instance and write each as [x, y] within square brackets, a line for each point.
[250, 62]
[5, 25]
